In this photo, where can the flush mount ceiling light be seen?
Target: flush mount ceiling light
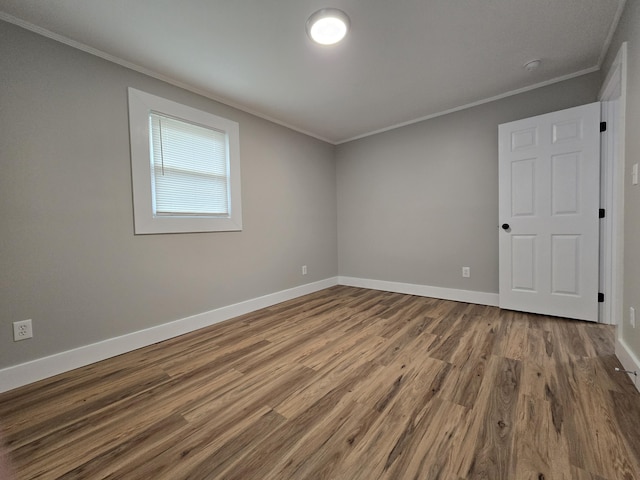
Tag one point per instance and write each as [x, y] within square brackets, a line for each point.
[327, 26]
[532, 65]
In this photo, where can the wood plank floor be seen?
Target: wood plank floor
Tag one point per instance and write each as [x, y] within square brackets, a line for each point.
[343, 384]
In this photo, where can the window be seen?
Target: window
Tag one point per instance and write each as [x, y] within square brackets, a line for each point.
[185, 167]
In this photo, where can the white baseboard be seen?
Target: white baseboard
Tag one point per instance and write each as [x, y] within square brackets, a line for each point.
[467, 296]
[29, 372]
[628, 360]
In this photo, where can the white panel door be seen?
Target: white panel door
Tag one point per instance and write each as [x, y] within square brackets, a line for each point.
[549, 175]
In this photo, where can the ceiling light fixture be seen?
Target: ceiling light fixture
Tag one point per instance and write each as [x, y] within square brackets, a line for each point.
[328, 26]
[532, 65]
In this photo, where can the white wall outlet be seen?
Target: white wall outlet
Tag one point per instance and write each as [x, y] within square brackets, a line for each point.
[634, 174]
[466, 272]
[632, 317]
[304, 269]
[22, 330]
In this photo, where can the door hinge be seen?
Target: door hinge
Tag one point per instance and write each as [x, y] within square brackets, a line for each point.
[600, 297]
[601, 213]
[603, 126]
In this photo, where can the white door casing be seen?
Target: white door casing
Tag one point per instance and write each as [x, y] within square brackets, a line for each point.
[613, 98]
[549, 180]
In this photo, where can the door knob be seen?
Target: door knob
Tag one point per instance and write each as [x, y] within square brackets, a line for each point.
[505, 226]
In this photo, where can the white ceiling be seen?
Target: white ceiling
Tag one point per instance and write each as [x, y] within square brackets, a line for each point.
[403, 59]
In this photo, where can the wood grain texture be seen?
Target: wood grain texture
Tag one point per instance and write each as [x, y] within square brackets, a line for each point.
[343, 384]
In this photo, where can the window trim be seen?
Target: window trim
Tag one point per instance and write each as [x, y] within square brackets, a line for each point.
[141, 104]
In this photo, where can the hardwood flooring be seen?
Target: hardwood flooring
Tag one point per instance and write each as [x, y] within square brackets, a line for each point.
[345, 384]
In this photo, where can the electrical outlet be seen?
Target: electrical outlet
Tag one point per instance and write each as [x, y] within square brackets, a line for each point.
[22, 330]
[304, 269]
[632, 317]
[466, 272]
[634, 174]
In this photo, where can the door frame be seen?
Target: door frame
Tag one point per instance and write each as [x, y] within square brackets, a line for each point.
[612, 96]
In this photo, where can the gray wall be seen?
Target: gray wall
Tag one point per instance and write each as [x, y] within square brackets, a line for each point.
[629, 31]
[417, 203]
[68, 257]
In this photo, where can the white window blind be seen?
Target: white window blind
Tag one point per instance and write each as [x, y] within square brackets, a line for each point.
[190, 169]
